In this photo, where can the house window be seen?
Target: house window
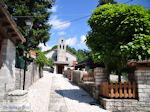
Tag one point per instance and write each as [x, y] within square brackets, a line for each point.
[60, 46]
[63, 47]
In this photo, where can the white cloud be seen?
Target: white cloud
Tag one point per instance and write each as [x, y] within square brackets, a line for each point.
[71, 41]
[83, 38]
[82, 42]
[58, 24]
[54, 9]
[62, 33]
[43, 47]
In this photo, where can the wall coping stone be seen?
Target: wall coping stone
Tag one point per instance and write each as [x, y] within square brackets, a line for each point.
[116, 100]
[18, 93]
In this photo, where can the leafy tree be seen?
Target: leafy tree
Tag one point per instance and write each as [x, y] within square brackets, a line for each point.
[54, 47]
[119, 32]
[82, 55]
[41, 60]
[102, 2]
[37, 10]
[72, 50]
[149, 11]
[50, 62]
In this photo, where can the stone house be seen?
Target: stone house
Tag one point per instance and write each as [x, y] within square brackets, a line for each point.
[10, 36]
[63, 59]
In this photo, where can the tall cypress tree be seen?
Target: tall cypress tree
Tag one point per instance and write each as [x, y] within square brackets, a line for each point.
[37, 10]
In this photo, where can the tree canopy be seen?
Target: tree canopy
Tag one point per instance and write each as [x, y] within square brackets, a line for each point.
[50, 62]
[37, 10]
[41, 60]
[102, 2]
[119, 32]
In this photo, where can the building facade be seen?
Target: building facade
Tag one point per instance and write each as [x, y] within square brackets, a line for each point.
[10, 36]
[63, 59]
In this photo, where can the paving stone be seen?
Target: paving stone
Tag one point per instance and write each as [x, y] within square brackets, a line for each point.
[55, 93]
[70, 97]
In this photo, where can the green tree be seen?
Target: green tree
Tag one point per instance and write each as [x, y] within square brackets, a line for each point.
[102, 2]
[119, 32]
[50, 62]
[72, 50]
[54, 47]
[41, 60]
[37, 10]
[82, 55]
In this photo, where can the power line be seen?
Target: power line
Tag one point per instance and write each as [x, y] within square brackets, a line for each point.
[34, 16]
[128, 1]
[77, 19]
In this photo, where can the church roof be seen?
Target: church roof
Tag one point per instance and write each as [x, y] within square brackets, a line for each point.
[61, 62]
[66, 51]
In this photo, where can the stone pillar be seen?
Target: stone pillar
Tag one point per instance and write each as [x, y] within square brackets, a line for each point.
[16, 101]
[142, 78]
[7, 70]
[100, 76]
[87, 68]
[55, 69]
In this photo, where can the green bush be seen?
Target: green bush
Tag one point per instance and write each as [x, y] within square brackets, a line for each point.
[41, 60]
[50, 62]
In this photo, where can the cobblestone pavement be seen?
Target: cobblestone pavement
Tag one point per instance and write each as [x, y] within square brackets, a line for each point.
[67, 97]
[38, 94]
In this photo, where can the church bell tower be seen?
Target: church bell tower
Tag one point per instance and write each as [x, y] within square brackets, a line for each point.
[61, 52]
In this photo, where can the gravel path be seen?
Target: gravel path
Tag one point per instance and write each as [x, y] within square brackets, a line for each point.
[54, 93]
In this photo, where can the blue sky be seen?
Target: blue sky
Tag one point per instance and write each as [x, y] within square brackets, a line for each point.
[63, 19]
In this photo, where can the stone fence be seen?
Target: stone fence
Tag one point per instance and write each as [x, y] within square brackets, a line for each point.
[139, 104]
[16, 100]
[32, 74]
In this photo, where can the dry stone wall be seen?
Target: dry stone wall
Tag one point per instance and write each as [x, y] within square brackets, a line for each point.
[32, 74]
[76, 76]
[142, 104]
[120, 105]
[100, 76]
[142, 78]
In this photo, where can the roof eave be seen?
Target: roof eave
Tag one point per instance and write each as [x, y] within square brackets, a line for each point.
[13, 25]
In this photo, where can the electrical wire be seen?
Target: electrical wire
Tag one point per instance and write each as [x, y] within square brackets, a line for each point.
[77, 19]
[128, 1]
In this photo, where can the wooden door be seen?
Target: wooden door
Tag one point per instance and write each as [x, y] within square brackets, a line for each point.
[60, 69]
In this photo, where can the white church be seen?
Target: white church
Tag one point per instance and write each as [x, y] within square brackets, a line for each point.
[63, 59]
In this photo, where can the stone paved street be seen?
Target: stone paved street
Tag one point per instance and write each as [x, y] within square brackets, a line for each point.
[54, 93]
[67, 97]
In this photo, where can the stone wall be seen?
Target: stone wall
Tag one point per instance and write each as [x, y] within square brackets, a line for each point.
[7, 70]
[76, 76]
[32, 74]
[141, 104]
[120, 105]
[16, 101]
[100, 76]
[142, 78]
